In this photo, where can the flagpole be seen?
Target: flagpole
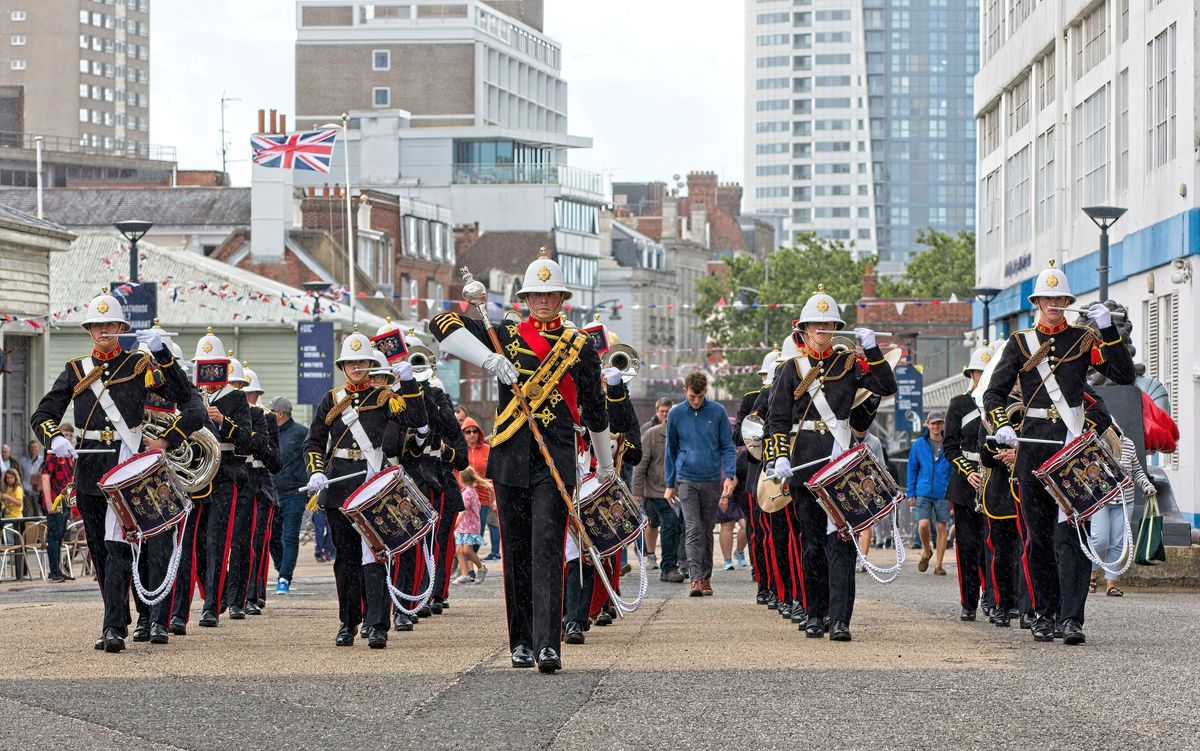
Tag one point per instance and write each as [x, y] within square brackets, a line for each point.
[349, 226]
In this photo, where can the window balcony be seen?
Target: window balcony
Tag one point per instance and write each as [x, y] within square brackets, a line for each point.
[574, 181]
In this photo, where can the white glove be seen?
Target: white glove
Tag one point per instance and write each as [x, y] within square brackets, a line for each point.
[611, 376]
[152, 339]
[317, 482]
[1100, 315]
[1006, 436]
[500, 367]
[782, 469]
[61, 447]
[403, 371]
[422, 435]
[866, 337]
[602, 450]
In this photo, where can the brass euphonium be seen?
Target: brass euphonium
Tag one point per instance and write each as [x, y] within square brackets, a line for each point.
[195, 460]
[625, 359]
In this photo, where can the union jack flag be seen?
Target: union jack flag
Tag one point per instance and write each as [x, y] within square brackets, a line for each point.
[309, 151]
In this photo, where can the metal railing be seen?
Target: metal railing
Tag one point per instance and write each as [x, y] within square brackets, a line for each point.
[572, 178]
[64, 145]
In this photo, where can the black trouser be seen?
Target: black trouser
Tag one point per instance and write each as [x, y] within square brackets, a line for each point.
[347, 567]
[237, 576]
[56, 527]
[968, 546]
[578, 592]
[533, 528]
[92, 509]
[1005, 564]
[375, 594]
[152, 568]
[783, 555]
[192, 562]
[264, 522]
[222, 504]
[755, 519]
[840, 557]
[1074, 572]
[443, 547]
[815, 562]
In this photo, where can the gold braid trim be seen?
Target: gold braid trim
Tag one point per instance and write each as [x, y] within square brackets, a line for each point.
[1083, 346]
[383, 397]
[1036, 358]
[86, 382]
[847, 365]
[338, 409]
[806, 382]
[142, 363]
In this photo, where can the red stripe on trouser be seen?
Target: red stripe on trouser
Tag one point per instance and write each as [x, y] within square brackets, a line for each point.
[766, 551]
[774, 559]
[796, 564]
[193, 519]
[1025, 544]
[448, 557]
[266, 552]
[992, 568]
[225, 553]
[253, 564]
[958, 569]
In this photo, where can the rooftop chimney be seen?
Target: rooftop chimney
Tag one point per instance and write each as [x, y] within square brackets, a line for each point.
[271, 210]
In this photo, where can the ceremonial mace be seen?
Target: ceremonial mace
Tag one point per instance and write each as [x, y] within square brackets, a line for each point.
[475, 293]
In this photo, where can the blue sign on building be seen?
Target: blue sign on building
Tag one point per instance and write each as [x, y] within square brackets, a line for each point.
[314, 357]
[910, 404]
[139, 301]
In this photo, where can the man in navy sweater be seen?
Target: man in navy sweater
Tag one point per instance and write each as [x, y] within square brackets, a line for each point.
[699, 471]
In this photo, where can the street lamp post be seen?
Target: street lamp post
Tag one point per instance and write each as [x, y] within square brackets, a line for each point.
[133, 230]
[1104, 217]
[985, 295]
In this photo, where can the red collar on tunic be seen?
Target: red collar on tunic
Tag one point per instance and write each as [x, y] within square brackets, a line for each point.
[818, 355]
[554, 324]
[353, 388]
[106, 356]
[1058, 329]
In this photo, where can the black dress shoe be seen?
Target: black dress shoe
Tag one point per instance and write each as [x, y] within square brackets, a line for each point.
[761, 598]
[772, 602]
[1058, 631]
[784, 609]
[1043, 630]
[445, 603]
[573, 633]
[604, 619]
[814, 628]
[99, 643]
[362, 631]
[376, 638]
[548, 661]
[1001, 619]
[141, 632]
[425, 611]
[674, 576]
[967, 614]
[208, 619]
[522, 657]
[345, 636]
[1026, 622]
[1073, 633]
[840, 631]
[113, 641]
[261, 603]
[237, 613]
[252, 608]
[403, 622]
[158, 634]
[435, 607]
[798, 614]
[178, 627]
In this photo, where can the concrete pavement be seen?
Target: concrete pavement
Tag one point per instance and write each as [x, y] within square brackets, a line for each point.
[715, 672]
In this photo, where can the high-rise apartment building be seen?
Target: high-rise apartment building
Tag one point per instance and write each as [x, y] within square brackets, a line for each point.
[76, 72]
[859, 119]
[1083, 105]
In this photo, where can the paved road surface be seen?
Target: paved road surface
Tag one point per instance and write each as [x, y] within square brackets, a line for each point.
[681, 673]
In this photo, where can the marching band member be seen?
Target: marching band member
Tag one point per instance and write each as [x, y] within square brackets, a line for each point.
[961, 445]
[264, 462]
[347, 426]
[814, 393]
[448, 454]
[757, 522]
[558, 369]
[1050, 363]
[107, 391]
[1000, 501]
[244, 505]
[207, 535]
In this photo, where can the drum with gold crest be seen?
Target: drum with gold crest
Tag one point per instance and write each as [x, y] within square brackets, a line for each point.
[609, 513]
[145, 495]
[390, 513]
[1083, 477]
[855, 491]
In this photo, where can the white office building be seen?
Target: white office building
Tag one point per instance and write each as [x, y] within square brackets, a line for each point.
[1078, 105]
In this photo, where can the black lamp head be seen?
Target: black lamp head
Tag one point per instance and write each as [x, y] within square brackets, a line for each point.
[133, 229]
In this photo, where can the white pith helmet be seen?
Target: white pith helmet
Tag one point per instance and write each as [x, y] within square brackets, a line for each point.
[544, 275]
[104, 308]
[356, 346]
[209, 347]
[821, 308]
[252, 385]
[1052, 282]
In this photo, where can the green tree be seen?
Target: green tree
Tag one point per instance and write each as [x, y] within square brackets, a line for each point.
[946, 268]
[753, 295]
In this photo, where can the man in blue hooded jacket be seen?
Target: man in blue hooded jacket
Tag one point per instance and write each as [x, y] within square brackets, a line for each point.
[928, 477]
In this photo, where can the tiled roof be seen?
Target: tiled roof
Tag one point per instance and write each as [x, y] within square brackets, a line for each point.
[165, 207]
[96, 258]
[507, 251]
[16, 218]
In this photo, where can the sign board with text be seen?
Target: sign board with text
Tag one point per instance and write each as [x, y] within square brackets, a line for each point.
[910, 402]
[139, 302]
[314, 359]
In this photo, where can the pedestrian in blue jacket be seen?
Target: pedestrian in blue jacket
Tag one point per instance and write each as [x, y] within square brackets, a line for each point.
[928, 477]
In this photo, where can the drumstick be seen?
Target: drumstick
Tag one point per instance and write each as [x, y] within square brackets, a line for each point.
[95, 451]
[163, 333]
[1046, 441]
[832, 332]
[332, 480]
[1083, 311]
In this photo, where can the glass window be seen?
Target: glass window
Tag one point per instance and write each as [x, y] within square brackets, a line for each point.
[381, 96]
[381, 60]
[1160, 99]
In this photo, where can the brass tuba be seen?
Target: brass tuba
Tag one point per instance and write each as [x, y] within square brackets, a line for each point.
[753, 430]
[625, 359]
[195, 460]
[422, 361]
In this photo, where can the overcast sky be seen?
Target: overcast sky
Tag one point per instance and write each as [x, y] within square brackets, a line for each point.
[656, 83]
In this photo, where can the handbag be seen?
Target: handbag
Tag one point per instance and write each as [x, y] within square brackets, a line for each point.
[1149, 550]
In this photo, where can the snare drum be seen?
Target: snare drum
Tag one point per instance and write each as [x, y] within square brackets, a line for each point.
[855, 491]
[609, 514]
[145, 495]
[1082, 477]
[390, 512]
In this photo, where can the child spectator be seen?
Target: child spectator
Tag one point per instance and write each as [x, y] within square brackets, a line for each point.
[467, 535]
[12, 495]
